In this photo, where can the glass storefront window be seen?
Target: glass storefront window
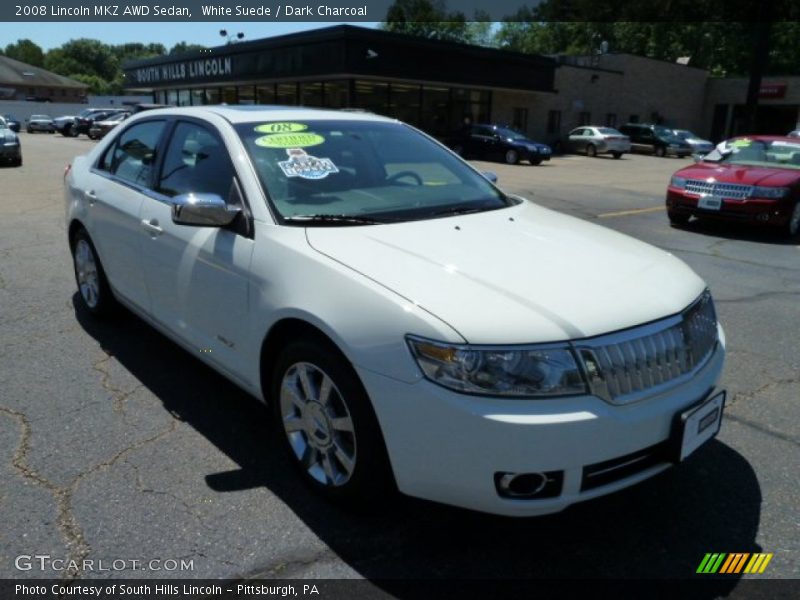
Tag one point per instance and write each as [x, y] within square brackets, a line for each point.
[213, 96]
[372, 96]
[469, 106]
[229, 95]
[286, 93]
[265, 94]
[172, 97]
[247, 94]
[311, 94]
[404, 104]
[337, 94]
[435, 110]
[198, 98]
[184, 99]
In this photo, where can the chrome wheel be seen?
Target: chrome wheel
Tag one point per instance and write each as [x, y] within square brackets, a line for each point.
[86, 273]
[512, 157]
[318, 424]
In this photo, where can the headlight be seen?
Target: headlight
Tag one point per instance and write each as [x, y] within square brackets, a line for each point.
[768, 192]
[539, 371]
[678, 182]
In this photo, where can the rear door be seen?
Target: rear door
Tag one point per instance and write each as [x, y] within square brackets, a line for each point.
[482, 142]
[114, 190]
[198, 276]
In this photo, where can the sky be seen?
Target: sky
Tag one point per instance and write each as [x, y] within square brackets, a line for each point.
[51, 35]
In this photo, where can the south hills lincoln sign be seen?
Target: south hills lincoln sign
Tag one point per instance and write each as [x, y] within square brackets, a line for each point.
[189, 70]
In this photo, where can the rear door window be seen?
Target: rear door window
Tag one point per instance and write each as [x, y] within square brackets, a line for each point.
[133, 156]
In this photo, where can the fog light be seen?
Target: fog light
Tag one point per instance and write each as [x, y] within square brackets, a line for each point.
[529, 486]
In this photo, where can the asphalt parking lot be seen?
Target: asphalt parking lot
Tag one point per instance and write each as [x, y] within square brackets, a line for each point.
[116, 444]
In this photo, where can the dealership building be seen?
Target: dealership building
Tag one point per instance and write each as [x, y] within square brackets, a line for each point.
[438, 86]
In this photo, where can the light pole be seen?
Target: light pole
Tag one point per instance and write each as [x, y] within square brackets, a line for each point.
[232, 38]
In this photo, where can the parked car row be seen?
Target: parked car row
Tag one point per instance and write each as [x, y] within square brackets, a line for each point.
[498, 142]
[84, 122]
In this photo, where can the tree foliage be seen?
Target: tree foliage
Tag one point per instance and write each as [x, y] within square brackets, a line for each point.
[431, 19]
[25, 51]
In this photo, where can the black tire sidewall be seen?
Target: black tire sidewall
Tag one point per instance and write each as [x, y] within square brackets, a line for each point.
[371, 482]
[511, 154]
[591, 150]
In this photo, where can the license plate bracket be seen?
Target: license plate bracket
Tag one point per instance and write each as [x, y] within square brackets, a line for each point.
[709, 202]
[696, 425]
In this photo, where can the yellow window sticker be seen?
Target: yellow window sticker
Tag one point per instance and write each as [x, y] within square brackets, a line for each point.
[743, 143]
[290, 140]
[280, 127]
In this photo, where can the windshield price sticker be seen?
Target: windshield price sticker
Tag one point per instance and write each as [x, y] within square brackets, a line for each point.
[281, 127]
[290, 140]
[301, 164]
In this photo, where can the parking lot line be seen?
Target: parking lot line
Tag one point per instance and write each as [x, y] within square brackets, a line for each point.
[634, 211]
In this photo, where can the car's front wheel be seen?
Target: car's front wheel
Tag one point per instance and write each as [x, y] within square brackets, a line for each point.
[793, 226]
[617, 155]
[329, 427]
[95, 293]
[591, 150]
[678, 219]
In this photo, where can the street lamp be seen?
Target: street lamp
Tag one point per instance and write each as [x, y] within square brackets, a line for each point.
[231, 38]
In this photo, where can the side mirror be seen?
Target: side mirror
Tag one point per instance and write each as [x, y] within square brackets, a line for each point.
[205, 210]
[490, 175]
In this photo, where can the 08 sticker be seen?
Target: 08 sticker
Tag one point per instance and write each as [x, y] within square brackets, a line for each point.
[302, 164]
[280, 127]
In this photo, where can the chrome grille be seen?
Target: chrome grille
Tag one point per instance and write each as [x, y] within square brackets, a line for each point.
[626, 366]
[734, 191]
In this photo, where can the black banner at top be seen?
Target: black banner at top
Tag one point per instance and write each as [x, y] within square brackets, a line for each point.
[377, 10]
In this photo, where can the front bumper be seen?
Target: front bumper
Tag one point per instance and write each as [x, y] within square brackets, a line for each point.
[10, 152]
[449, 447]
[755, 210]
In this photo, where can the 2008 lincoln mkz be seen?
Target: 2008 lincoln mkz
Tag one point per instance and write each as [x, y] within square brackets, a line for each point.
[413, 327]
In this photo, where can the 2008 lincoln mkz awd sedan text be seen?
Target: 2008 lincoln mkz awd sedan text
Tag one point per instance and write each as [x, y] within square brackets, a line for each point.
[413, 327]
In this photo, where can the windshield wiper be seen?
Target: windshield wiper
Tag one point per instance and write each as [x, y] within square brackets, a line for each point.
[333, 219]
[462, 210]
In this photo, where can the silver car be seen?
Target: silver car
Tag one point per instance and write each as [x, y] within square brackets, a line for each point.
[40, 123]
[10, 150]
[698, 144]
[599, 140]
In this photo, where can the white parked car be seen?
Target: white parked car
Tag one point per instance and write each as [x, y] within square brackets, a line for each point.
[698, 144]
[413, 326]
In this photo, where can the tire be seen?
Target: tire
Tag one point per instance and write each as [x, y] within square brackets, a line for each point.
[616, 155]
[336, 444]
[535, 161]
[511, 157]
[660, 151]
[792, 228]
[591, 150]
[678, 219]
[93, 289]
[17, 162]
[73, 131]
[30, 131]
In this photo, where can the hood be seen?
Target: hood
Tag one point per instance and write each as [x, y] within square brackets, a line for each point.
[742, 174]
[519, 275]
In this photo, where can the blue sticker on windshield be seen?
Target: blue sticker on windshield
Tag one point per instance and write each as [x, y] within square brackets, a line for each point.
[301, 164]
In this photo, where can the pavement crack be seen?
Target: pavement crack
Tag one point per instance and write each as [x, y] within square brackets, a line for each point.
[765, 430]
[287, 567]
[755, 297]
[66, 521]
[119, 395]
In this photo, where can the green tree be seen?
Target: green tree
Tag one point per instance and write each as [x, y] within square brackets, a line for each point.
[431, 19]
[84, 57]
[183, 48]
[25, 51]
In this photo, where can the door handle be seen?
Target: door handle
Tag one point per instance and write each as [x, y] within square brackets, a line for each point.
[152, 227]
[90, 196]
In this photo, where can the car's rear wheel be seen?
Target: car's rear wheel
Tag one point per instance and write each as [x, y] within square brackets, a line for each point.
[329, 427]
[678, 219]
[616, 155]
[591, 150]
[660, 151]
[792, 228]
[93, 288]
[512, 157]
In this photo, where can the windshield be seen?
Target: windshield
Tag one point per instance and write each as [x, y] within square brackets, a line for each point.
[511, 133]
[384, 172]
[757, 153]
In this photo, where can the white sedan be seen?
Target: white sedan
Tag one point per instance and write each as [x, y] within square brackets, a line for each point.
[413, 327]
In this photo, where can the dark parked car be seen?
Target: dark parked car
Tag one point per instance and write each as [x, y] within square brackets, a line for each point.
[12, 123]
[655, 139]
[9, 145]
[498, 142]
[83, 123]
[40, 123]
[752, 179]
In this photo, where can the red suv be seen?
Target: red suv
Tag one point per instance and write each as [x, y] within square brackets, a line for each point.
[752, 178]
